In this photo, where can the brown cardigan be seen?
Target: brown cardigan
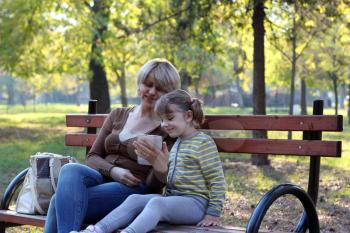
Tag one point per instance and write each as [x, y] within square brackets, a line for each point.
[108, 151]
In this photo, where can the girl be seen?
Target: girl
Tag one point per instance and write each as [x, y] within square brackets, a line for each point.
[195, 189]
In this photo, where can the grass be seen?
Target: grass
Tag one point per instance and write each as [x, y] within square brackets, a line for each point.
[24, 132]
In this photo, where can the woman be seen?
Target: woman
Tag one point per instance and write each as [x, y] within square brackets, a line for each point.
[88, 193]
[195, 191]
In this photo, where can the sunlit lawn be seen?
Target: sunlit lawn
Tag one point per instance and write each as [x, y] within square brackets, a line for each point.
[24, 132]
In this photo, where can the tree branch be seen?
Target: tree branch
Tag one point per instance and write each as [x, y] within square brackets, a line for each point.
[313, 34]
[306, 44]
[147, 26]
[87, 5]
[275, 44]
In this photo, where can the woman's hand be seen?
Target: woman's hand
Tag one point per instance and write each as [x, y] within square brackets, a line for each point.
[124, 176]
[157, 158]
[209, 220]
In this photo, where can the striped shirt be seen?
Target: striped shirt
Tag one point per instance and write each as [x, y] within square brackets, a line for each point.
[195, 169]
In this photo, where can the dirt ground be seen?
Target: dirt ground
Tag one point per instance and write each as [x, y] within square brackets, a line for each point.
[333, 205]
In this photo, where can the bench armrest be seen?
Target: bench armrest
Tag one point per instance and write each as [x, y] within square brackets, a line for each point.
[12, 188]
[272, 195]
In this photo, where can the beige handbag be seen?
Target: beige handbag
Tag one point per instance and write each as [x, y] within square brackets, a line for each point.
[40, 182]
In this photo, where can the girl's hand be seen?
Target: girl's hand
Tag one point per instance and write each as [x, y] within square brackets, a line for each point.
[209, 220]
[157, 158]
[124, 176]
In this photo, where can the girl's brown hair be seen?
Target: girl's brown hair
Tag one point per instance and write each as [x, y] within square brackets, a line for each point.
[184, 101]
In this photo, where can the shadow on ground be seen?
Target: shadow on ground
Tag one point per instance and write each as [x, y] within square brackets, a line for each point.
[248, 183]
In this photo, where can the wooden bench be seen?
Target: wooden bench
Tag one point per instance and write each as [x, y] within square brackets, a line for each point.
[311, 145]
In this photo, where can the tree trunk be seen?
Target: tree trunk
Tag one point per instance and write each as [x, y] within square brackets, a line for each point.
[303, 103]
[122, 84]
[10, 90]
[294, 61]
[196, 84]
[342, 95]
[23, 99]
[185, 79]
[276, 100]
[77, 95]
[98, 82]
[212, 94]
[34, 100]
[335, 89]
[237, 70]
[259, 97]
[46, 98]
[349, 104]
[245, 101]
[23, 94]
[334, 79]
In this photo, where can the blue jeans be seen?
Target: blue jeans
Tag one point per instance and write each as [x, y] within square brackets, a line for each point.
[83, 195]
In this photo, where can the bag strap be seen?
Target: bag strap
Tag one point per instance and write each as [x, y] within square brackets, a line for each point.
[35, 195]
[53, 162]
[52, 165]
[52, 179]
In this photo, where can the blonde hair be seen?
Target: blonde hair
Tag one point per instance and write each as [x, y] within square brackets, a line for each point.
[184, 101]
[164, 73]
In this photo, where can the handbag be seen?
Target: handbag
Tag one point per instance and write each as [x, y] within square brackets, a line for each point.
[40, 182]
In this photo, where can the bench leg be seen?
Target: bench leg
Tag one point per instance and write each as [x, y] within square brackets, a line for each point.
[3, 227]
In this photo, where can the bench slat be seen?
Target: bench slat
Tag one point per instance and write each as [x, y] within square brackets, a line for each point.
[85, 120]
[275, 123]
[11, 216]
[279, 147]
[80, 139]
[233, 145]
[238, 122]
[166, 228]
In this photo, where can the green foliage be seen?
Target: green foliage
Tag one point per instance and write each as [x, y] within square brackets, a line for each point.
[49, 42]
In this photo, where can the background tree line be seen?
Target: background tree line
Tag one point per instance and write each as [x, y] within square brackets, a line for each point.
[250, 46]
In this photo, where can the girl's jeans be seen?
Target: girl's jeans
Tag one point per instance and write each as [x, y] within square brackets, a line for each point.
[83, 196]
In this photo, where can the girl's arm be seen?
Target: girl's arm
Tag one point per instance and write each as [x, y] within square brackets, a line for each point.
[156, 179]
[214, 176]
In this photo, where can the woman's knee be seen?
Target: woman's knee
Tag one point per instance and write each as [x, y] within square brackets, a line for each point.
[74, 170]
[71, 170]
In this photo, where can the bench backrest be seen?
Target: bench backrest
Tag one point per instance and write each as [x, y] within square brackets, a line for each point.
[311, 127]
[305, 124]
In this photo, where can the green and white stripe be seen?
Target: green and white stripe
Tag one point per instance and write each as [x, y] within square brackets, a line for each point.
[195, 169]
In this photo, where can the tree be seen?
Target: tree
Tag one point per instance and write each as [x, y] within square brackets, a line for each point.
[125, 48]
[100, 11]
[259, 104]
[298, 22]
[190, 40]
[333, 59]
[238, 48]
